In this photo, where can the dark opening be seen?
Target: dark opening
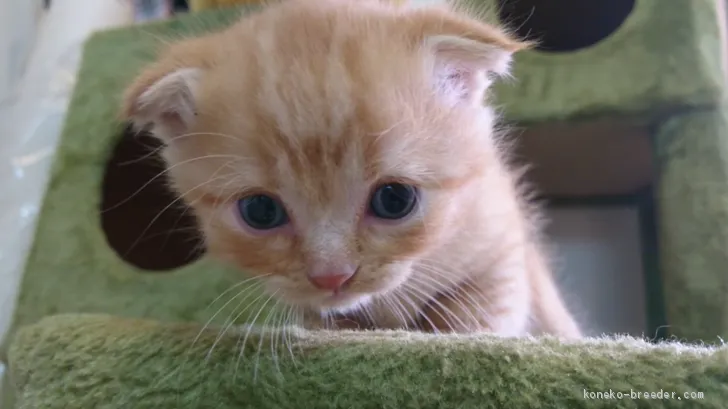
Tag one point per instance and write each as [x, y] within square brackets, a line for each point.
[180, 6]
[138, 221]
[564, 25]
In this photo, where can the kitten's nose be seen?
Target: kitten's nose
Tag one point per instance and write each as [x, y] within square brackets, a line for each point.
[331, 278]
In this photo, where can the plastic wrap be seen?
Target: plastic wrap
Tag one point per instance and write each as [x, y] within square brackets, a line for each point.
[32, 112]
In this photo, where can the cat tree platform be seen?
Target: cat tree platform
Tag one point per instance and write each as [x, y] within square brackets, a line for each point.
[88, 361]
[150, 292]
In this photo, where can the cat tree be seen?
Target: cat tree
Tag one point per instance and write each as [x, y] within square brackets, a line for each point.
[108, 309]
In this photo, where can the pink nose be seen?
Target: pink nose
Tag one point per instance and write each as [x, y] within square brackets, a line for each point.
[329, 282]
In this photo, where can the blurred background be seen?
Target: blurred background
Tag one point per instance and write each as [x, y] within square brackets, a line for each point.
[605, 249]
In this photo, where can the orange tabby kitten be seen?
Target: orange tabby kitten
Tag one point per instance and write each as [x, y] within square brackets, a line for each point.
[340, 150]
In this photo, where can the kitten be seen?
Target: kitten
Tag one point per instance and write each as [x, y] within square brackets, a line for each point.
[341, 151]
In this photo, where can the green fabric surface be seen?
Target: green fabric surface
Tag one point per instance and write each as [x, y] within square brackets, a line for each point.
[692, 152]
[105, 362]
[662, 58]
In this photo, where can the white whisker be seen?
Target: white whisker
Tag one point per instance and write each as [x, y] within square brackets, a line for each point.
[265, 328]
[288, 335]
[428, 299]
[162, 173]
[179, 198]
[230, 322]
[250, 327]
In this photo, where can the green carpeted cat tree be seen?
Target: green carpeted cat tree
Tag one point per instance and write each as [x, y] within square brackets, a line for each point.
[107, 320]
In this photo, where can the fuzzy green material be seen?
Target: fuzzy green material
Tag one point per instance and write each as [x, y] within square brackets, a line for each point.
[661, 59]
[692, 150]
[97, 361]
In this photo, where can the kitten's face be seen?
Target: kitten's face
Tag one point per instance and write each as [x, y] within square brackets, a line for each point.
[327, 157]
[300, 185]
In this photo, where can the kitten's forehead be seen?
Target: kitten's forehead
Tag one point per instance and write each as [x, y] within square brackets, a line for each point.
[327, 105]
[324, 172]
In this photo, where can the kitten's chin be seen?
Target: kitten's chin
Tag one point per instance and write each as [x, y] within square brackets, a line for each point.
[344, 303]
[341, 303]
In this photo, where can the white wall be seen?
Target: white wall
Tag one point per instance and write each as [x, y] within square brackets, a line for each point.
[600, 267]
[18, 22]
[39, 56]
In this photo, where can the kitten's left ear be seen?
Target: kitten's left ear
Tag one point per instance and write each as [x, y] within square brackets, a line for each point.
[164, 100]
[467, 53]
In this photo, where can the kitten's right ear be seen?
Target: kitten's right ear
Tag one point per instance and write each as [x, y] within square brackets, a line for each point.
[163, 100]
[467, 52]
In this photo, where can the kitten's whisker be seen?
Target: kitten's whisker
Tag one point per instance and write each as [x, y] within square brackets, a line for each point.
[409, 314]
[465, 284]
[395, 308]
[417, 310]
[179, 218]
[431, 267]
[180, 198]
[188, 206]
[288, 334]
[329, 322]
[229, 322]
[442, 310]
[282, 330]
[162, 173]
[369, 316]
[150, 154]
[199, 334]
[209, 321]
[206, 325]
[169, 233]
[222, 135]
[234, 286]
[277, 328]
[247, 333]
[428, 299]
[266, 329]
[156, 37]
[174, 226]
[197, 248]
[452, 295]
[158, 149]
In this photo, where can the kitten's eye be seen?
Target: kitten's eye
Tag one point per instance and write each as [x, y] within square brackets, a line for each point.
[393, 201]
[262, 212]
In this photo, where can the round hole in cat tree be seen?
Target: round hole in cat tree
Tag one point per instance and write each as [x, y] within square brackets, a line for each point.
[146, 225]
[564, 25]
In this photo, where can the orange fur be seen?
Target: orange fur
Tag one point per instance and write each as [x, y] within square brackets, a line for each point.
[315, 102]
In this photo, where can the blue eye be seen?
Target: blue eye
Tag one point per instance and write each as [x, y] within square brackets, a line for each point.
[262, 212]
[393, 201]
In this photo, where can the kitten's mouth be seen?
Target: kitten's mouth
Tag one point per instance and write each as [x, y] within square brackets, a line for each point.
[339, 295]
[342, 297]
[342, 302]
